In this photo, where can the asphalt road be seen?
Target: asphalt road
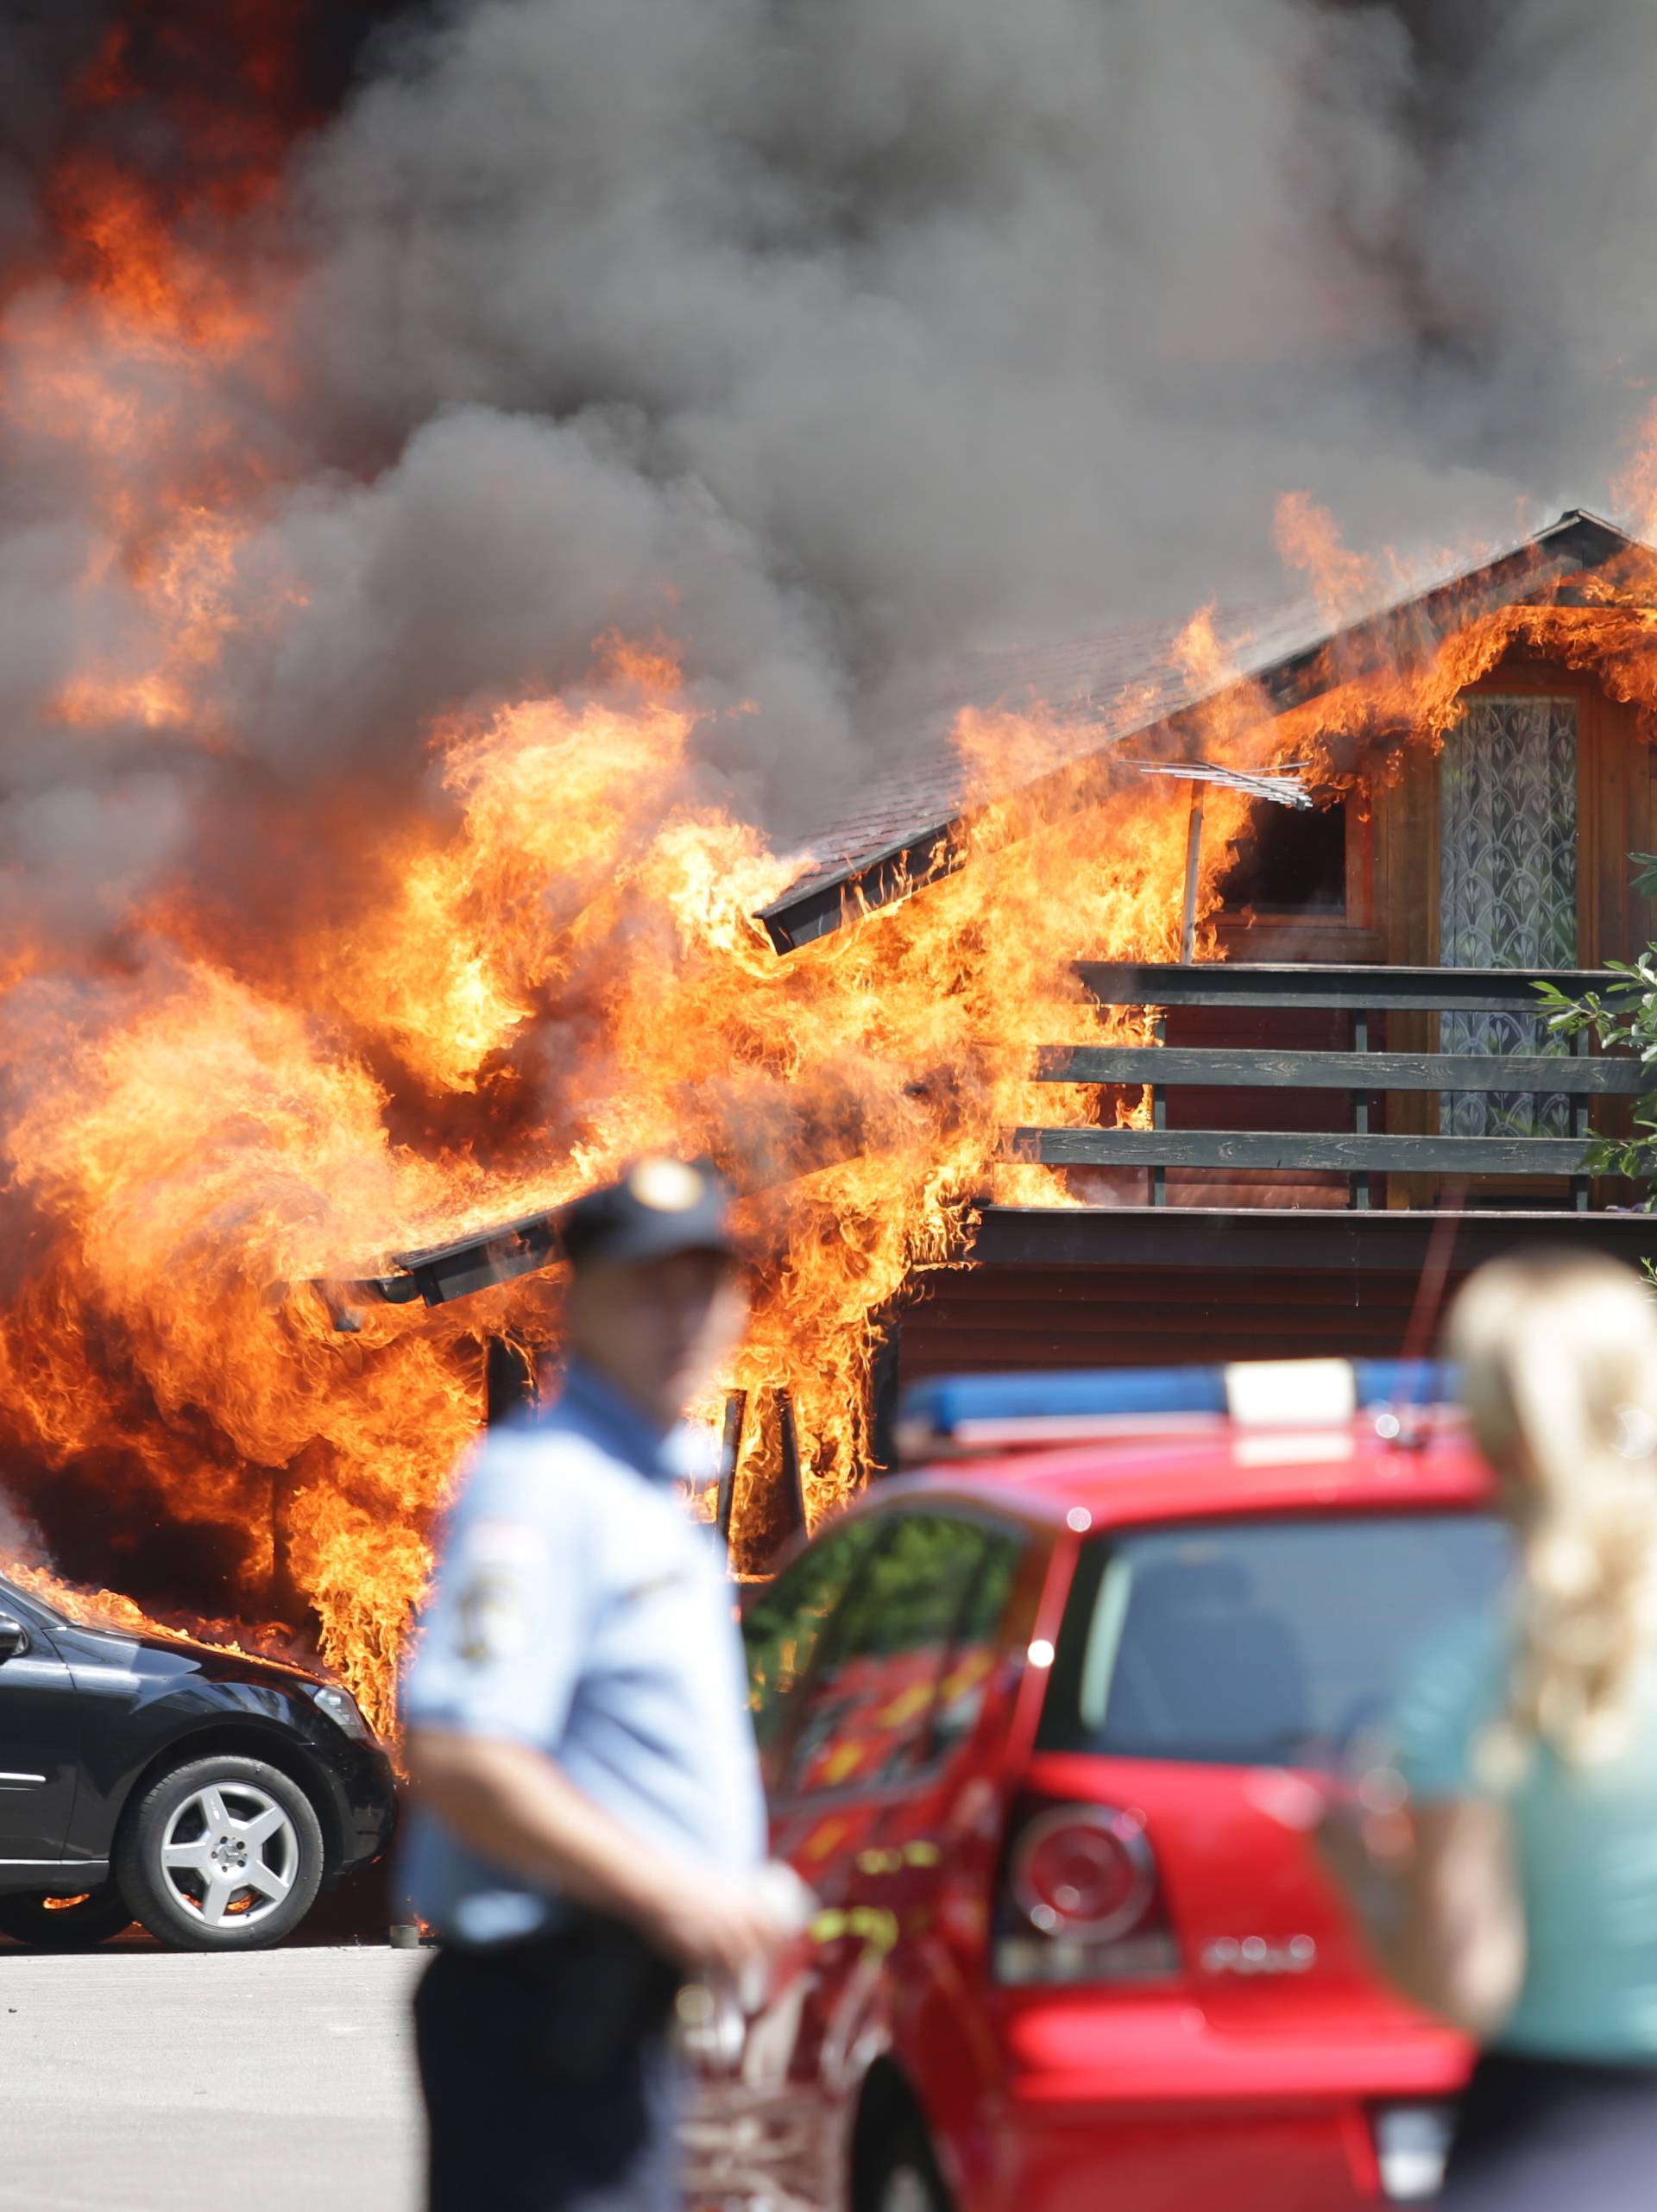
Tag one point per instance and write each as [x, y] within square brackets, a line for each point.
[135, 2080]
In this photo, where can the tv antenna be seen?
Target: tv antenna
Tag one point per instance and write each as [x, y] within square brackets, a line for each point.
[1281, 786]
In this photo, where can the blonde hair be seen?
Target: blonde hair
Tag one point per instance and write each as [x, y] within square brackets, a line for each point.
[1558, 1357]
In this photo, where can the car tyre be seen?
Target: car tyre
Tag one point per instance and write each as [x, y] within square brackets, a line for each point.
[902, 2175]
[66, 1923]
[222, 1853]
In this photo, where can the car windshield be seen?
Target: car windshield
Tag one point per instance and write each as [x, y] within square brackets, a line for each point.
[1262, 1641]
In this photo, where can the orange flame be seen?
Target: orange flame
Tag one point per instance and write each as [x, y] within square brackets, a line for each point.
[562, 972]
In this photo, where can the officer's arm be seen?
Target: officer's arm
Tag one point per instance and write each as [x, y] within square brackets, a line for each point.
[515, 1807]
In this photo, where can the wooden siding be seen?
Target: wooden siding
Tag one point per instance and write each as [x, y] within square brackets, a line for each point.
[973, 1321]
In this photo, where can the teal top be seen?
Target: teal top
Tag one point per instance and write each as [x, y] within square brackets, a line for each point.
[1585, 1845]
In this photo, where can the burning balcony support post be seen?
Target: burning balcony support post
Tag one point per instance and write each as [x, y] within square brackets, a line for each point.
[883, 1383]
[730, 1454]
[1193, 867]
[793, 1482]
[766, 1485]
[509, 1381]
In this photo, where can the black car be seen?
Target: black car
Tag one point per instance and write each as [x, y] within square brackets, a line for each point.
[206, 1794]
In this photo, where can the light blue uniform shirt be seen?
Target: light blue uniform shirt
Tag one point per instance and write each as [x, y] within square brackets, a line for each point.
[578, 1608]
[1585, 1845]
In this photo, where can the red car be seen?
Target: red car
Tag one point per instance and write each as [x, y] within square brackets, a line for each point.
[1030, 1725]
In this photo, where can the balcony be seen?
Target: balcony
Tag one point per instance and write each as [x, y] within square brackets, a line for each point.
[1326, 1117]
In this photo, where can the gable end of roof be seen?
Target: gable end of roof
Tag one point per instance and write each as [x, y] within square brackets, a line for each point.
[836, 889]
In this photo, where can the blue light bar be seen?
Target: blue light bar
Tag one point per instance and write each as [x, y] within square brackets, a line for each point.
[980, 1412]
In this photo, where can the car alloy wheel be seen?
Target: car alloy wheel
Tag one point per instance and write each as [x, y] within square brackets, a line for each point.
[222, 1853]
[228, 1850]
[66, 1923]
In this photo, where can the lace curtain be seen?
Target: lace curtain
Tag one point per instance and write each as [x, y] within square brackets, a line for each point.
[1508, 889]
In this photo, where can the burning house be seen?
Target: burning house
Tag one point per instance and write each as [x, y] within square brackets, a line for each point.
[1356, 1082]
[482, 483]
[1178, 1013]
[1356, 1075]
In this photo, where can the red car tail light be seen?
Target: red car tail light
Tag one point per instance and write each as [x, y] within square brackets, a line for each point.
[1083, 1902]
[1083, 1870]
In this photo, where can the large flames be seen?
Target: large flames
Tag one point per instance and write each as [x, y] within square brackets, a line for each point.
[548, 970]
[566, 977]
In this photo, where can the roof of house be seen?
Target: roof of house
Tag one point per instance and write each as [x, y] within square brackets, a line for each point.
[1125, 682]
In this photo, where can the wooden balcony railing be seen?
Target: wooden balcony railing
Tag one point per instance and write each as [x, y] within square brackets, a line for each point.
[1360, 1153]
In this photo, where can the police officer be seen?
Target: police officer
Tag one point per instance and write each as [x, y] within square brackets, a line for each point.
[587, 1819]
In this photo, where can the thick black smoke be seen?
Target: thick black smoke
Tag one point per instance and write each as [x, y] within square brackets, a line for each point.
[829, 338]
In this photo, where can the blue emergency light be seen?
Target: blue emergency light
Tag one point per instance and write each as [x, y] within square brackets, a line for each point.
[976, 1413]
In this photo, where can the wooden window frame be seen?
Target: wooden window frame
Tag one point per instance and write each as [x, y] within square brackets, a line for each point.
[1345, 939]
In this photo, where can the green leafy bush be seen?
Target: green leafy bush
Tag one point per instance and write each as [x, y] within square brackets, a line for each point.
[1623, 1018]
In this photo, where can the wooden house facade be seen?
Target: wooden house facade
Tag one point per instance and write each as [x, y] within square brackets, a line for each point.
[1361, 1087]
[1358, 1096]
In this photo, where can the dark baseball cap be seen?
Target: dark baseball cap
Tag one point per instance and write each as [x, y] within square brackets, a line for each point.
[659, 1208]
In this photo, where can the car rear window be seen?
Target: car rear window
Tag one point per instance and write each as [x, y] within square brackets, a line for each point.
[1253, 1643]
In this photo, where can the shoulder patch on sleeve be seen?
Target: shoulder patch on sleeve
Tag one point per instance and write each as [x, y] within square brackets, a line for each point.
[500, 1572]
[491, 1617]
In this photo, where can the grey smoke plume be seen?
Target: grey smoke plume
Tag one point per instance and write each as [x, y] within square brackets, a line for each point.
[830, 340]
[19, 1538]
[953, 320]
